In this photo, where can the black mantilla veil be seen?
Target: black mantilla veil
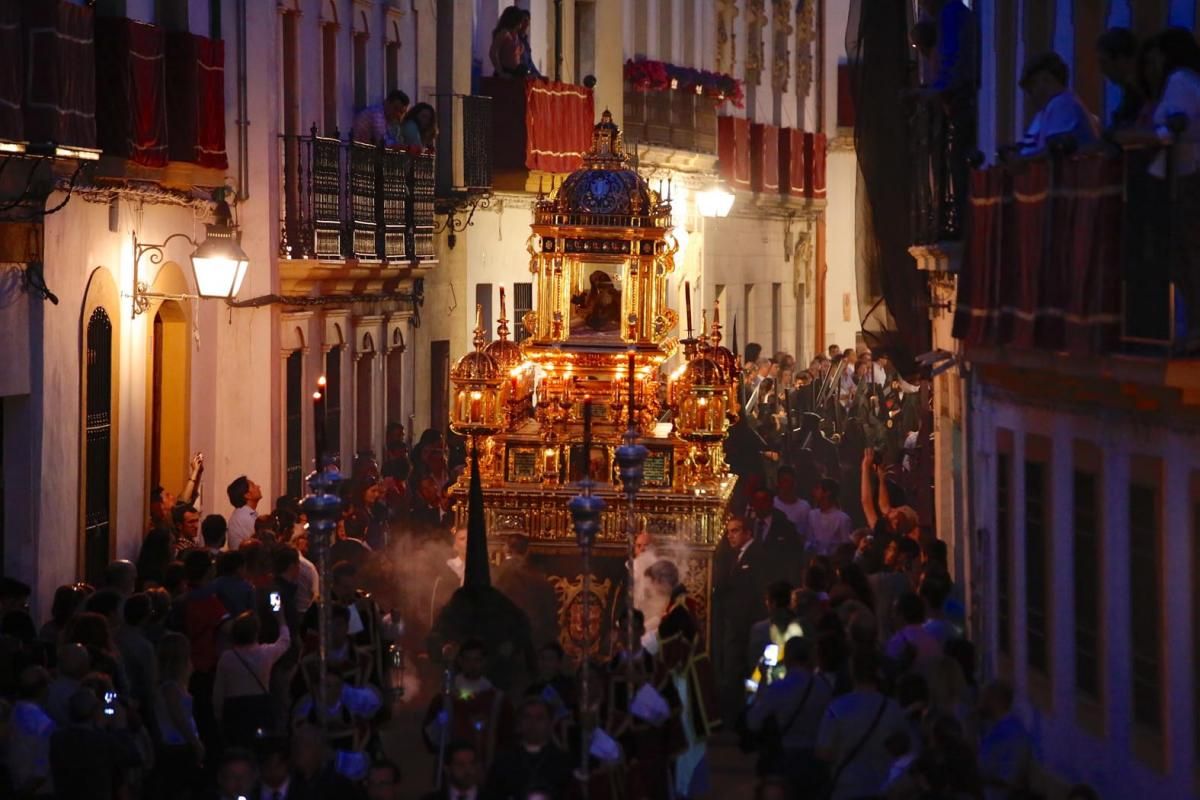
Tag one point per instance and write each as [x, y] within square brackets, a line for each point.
[892, 292]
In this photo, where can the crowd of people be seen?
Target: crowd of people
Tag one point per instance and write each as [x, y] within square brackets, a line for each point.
[839, 634]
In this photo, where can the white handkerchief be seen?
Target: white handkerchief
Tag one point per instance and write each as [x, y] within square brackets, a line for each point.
[650, 706]
[604, 747]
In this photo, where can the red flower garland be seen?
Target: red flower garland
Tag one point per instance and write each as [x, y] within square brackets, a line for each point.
[658, 76]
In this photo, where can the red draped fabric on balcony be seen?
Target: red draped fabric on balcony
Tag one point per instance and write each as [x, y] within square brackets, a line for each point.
[791, 162]
[131, 90]
[60, 96]
[558, 125]
[815, 146]
[1043, 261]
[733, 151]
[12, 73]
[196, 102]
[764, 158]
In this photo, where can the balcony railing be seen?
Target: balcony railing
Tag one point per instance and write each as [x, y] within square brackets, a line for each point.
[349, 200]
[1072, 253]
[679, 119]
[465, 142]
[940, 169]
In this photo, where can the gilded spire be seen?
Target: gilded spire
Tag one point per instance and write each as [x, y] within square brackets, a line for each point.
[502, 324]
[703, 329]
[715, 338]
[480, 337]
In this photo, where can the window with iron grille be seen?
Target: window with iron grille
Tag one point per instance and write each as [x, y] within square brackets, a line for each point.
[294, 463]
[522, 304]
[333, 401]
[1088, 585]
[1037, 564]
[1004, 550]
[1145, 551]
[97, 446]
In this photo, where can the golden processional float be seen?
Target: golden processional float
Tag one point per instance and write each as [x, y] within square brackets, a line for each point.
[598, 337]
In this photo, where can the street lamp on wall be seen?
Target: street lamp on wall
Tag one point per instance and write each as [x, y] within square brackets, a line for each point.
[218, 263]
[715, 202]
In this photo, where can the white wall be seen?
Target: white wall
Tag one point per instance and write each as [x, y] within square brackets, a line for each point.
[841, 247]
[1066, 747]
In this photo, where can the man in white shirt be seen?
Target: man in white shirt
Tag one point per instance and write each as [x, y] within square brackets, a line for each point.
[828, 525]
[1060, 112]
[788, 500]
[244, 495]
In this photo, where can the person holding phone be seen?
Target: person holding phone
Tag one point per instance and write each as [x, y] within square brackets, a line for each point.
[242, 700]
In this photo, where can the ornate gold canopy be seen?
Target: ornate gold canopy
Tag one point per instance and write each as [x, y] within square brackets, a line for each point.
[602, 249]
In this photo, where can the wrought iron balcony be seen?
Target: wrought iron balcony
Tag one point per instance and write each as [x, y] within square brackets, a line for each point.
[940, 160]
[354, 201]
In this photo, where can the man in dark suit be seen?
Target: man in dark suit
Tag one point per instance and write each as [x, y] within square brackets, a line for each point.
[534, 761]
[737, 589]
[462, 775]
[313, 774]
[782, 547]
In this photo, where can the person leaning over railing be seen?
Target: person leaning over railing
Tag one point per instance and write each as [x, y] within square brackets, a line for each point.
[1046, 79]
[1171, 72]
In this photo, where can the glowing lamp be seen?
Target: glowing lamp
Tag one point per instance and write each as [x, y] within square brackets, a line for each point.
[715, 202]
[219, 263]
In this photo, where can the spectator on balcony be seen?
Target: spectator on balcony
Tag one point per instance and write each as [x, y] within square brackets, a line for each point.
[509, 52]
[1117, 52]
[1046, 79]
[531, 70]
[380, 124]
[950, 26]
[1172, 72]
[420, 127]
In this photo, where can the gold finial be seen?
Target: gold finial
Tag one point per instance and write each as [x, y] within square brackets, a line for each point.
[703, 338]
[480, 338]
[502, 327]
[716, 326]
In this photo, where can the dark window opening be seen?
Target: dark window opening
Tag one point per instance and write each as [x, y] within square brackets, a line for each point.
[97, 447]
[294, 426]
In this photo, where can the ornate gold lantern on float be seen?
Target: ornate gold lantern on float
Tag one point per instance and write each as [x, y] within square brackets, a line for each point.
[480, 394]
[602, 251]
[702, 410]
